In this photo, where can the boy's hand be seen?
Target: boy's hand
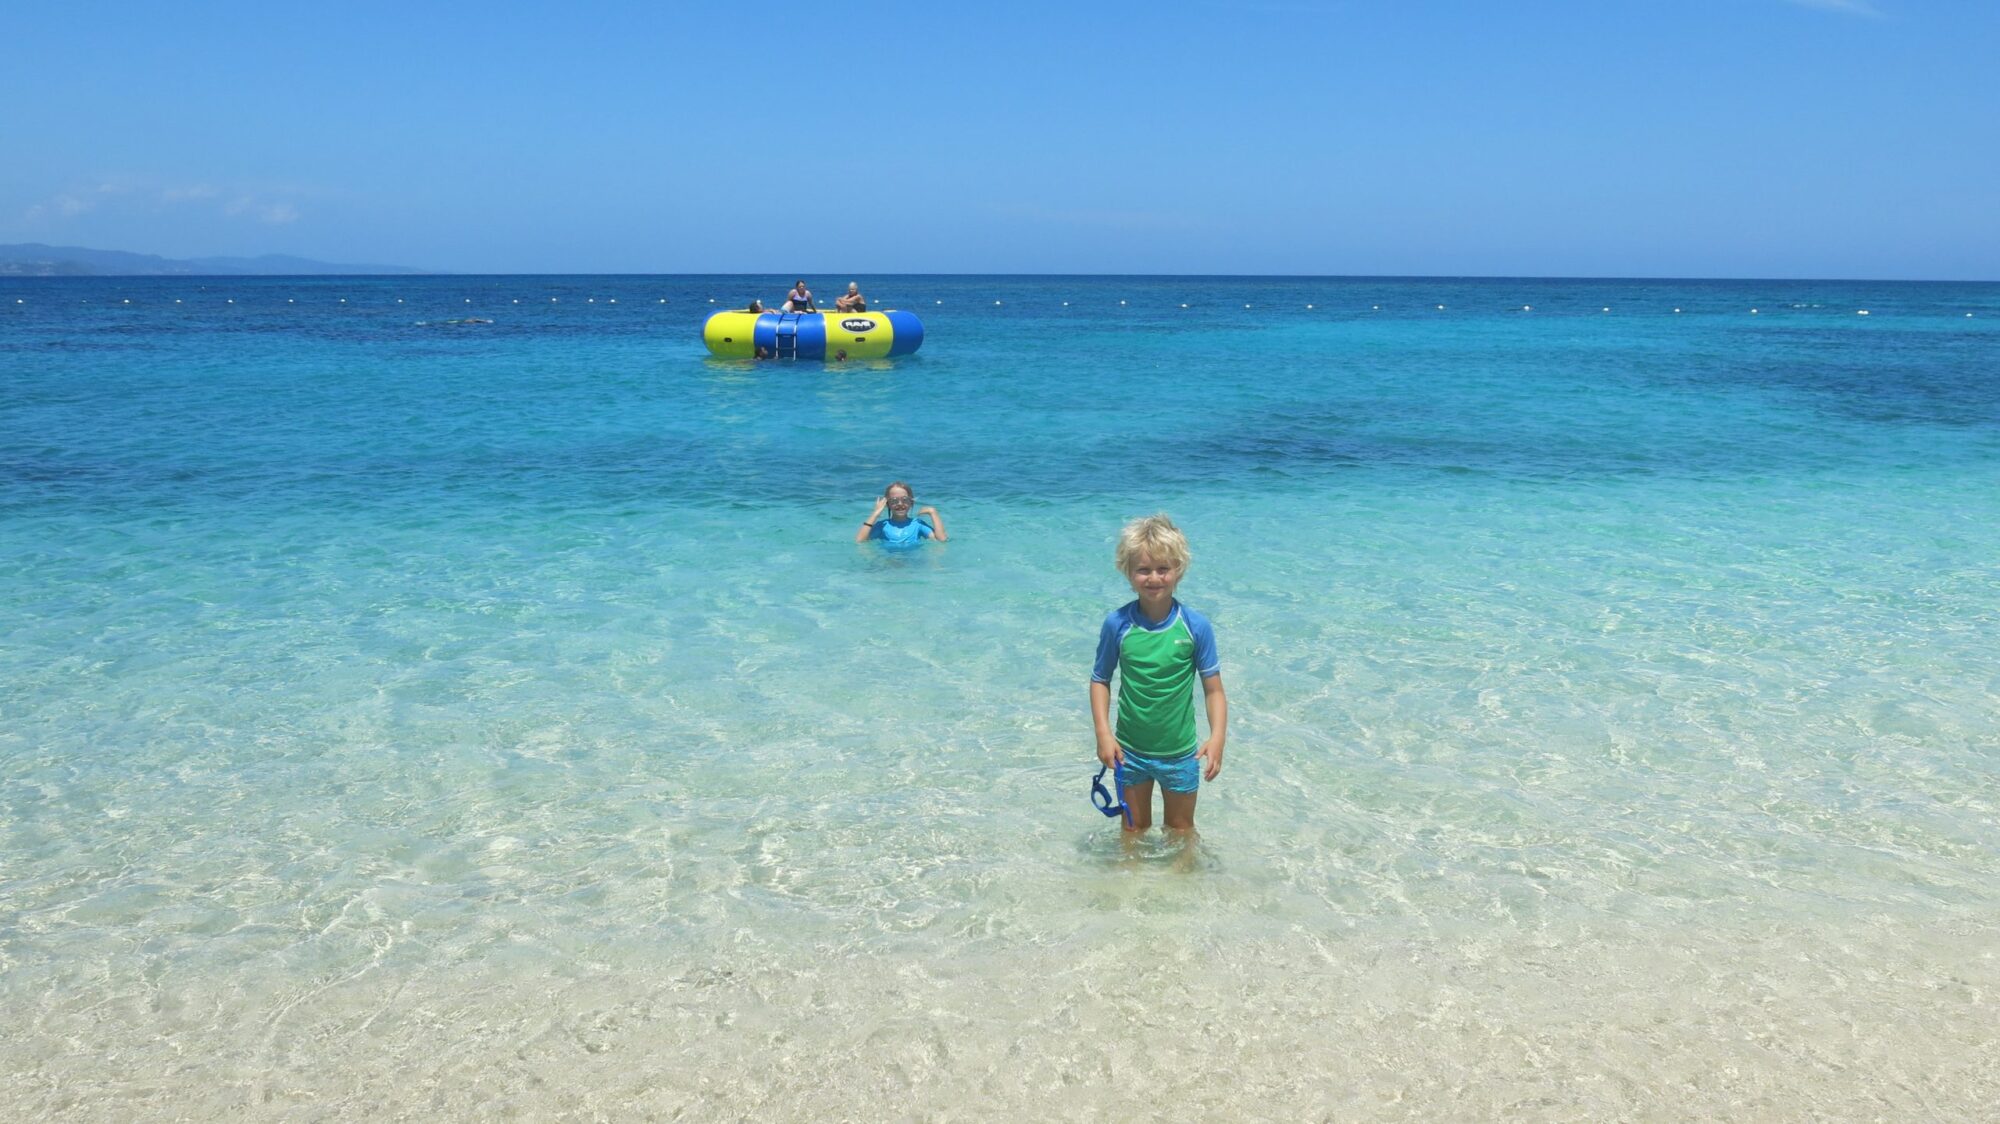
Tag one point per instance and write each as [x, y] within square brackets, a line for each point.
[1211, 754]
[1108, 753]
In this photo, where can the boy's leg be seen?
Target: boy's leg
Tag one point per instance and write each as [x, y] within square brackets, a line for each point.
[1179, 809]
[1138, 805]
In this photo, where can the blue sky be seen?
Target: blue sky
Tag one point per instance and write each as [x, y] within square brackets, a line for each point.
[1709, 138]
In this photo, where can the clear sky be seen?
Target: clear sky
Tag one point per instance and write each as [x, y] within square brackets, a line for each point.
[1691, 138]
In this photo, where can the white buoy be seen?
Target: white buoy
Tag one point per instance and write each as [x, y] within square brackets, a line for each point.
[1184, 306]
[128, 300]
[1440, 308]
[663, 300]
[1676, 310]
[1066, 305]
[399, 300]
[1606, 308]
[343, 300]
[1309, 306]
[1378, 308]
[552, 300]
[1753, 312]
[1860, 312]
[996, 302]
[1121, 302]
[613, 300]
[711, 300]
[1527, 308]
[592, 300]
[1968, 316]
[1246, 306]
[177, 300]
[517, 300]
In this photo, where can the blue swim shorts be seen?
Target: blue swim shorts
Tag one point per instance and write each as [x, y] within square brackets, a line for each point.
[1175, 774]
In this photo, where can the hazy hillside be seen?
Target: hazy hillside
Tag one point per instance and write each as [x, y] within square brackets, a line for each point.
[32, 259]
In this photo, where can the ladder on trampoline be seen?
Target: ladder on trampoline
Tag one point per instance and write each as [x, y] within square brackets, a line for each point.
[785, 344]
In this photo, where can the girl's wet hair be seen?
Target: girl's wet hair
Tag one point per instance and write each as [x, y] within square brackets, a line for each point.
[895, 484]
[1153, 537]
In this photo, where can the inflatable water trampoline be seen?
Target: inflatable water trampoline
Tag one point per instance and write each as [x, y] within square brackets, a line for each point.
[812, 335]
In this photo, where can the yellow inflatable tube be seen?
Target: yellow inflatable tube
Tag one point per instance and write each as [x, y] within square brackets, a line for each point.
[812, 335]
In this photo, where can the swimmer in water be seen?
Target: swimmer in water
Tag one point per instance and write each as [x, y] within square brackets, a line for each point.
[899, 527]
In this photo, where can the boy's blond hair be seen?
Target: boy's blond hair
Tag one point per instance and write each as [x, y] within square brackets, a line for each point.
[1153, 537]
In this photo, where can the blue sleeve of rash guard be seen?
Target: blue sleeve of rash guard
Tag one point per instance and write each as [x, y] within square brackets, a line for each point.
[1107, 646]
[1206, 663]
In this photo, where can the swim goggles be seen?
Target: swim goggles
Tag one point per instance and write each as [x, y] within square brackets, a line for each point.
[1106, 802]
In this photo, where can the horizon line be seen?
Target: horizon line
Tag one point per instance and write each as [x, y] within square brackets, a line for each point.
[426, 273]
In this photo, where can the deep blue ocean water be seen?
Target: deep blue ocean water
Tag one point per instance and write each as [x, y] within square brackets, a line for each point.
[405, 716]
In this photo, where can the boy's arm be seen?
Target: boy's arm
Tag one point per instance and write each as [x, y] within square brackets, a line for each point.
[1216, 703]
[1108, 752]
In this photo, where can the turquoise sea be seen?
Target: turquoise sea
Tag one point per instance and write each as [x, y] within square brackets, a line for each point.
[408, 720]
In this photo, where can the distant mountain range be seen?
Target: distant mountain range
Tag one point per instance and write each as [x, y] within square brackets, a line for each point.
[32, 259]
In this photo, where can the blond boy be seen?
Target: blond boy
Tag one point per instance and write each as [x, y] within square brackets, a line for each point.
[1159, 649]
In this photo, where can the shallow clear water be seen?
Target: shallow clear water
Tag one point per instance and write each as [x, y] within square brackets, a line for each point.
[405, 718]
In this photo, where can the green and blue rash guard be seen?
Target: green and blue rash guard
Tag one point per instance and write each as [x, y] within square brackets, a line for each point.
[909, 532]
[1156, 663]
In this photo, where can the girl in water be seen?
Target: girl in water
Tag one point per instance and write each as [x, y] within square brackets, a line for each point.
[899, 527]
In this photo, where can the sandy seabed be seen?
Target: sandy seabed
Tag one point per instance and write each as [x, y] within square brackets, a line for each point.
[1872, 1020]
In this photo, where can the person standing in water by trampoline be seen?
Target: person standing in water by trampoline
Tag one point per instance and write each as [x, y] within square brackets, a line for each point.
[899, 527]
